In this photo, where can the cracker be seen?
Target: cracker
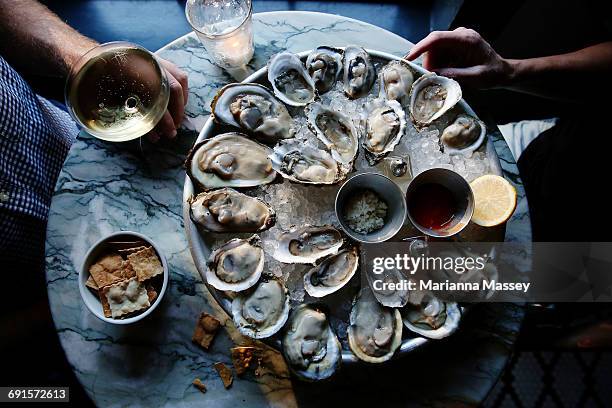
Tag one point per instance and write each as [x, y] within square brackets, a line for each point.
[126, 297]
[225, 374]
[111, 262]
[199, 385]
[91, 283]
[146, 264]
[151, 293]
[127, 270]
[105, 305]
[205, 330]
[242, 358]
[127, 251]
[101, 276]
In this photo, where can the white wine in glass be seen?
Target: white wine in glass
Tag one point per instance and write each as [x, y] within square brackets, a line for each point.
[117, 91]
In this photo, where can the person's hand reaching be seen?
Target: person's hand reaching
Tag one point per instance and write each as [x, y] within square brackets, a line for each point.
[462, 54]
[179, 92]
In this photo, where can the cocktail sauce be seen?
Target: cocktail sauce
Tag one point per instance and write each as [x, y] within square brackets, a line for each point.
[432, 205]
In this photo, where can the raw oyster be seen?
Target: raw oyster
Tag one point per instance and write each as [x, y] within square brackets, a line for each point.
[262, 311]
[227, 210]
[380, 284]
[359, 72]
[229, 160]
[305, 164]
[433, 318]
[374, 331]
[395, 80]
[236, 265]
[466, 133]
[290, 80]
[385, 127]
[431, 97]
[324, 65]
[253, 108]
[331, 274]
[335, 130]
[310, 347]
[307, 243]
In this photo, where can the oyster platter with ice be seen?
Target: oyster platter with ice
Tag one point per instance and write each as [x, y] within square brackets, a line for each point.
[259, 199]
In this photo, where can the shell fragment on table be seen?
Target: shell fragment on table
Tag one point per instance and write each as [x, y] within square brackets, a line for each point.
[385, 127]
[227, 210]
[332, 273]
[431, 97]
[307, 243]
[229, 160]
[236, 265]
[291, 82]
[336, 130]
[433, 318]
[254, 109]
[359, 72]
[324, 66]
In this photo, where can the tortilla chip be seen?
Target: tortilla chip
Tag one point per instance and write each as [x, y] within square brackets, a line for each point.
[225, 374]
[101, 276]
[205, 330]
[126, 297]
[91, 283]
[146, 264]
[199, 385]
[242, 358]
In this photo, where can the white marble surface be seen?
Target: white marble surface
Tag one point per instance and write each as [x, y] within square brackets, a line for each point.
[109, 187]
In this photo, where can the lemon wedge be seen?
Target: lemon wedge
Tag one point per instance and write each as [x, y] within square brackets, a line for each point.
[494, 200]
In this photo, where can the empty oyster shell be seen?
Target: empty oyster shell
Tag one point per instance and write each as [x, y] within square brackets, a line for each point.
[331, 274]
[431, 97]
[324, 65]
[465, 134]
[255, 109]
[375, 331]
[307, 243]
[290, 80]
[310, 347]
[229, 160]
[433, 318]
[335, 130]
[395, 80]
[305, 164]
[262, 311]
[236, 265]
[227, 210]
[385, 127]
[359, 72]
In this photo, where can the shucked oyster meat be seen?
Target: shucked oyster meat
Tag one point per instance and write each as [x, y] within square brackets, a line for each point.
[337, 131]
[236, 265]
[431, 97]
[324, 65]
[432, 318]
[310, 347]
[385, 127]
[229, 160]
[290, 80]
[359, 72]
[375, 331]
[253, 108]
[331, 274]
[395, 80]
[307, 243]
[465, 133]
[227, 210]
[262, 311]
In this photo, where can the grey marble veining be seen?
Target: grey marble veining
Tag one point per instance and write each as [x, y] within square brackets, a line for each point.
[107, 187]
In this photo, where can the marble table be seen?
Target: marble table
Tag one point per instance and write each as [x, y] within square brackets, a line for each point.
[107, 187]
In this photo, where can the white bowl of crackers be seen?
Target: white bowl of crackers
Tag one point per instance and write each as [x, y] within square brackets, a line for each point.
[123, 277]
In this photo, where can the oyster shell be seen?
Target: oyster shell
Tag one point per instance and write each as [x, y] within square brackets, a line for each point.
[307, 243]
[431, 97]
[227, 210]
[359, 72]
[465, 134]
[385, 127]
[290, 80]
[380, 283]
[331, 274]
[305, 164]
[395, 80]
[335, 130]
[375, 331]
[310, 347]
[262, 311]
[229, 160]
[255, 109]
[236, 265]
[324, 65]
[433, 318]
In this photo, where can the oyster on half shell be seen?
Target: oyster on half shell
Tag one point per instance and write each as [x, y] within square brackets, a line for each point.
[432, 318]
[375, 331]
[307, 243]
[310, 347]
[359, 72]
[332, 274]
[431, 97]
[236, 265]
[254, 109]
[290, 80]
[395, 80]
[385, 127]
[466, 133]
[324, 65]
[337, 131]
[227, 210]
[263, 310]
[229, 160]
